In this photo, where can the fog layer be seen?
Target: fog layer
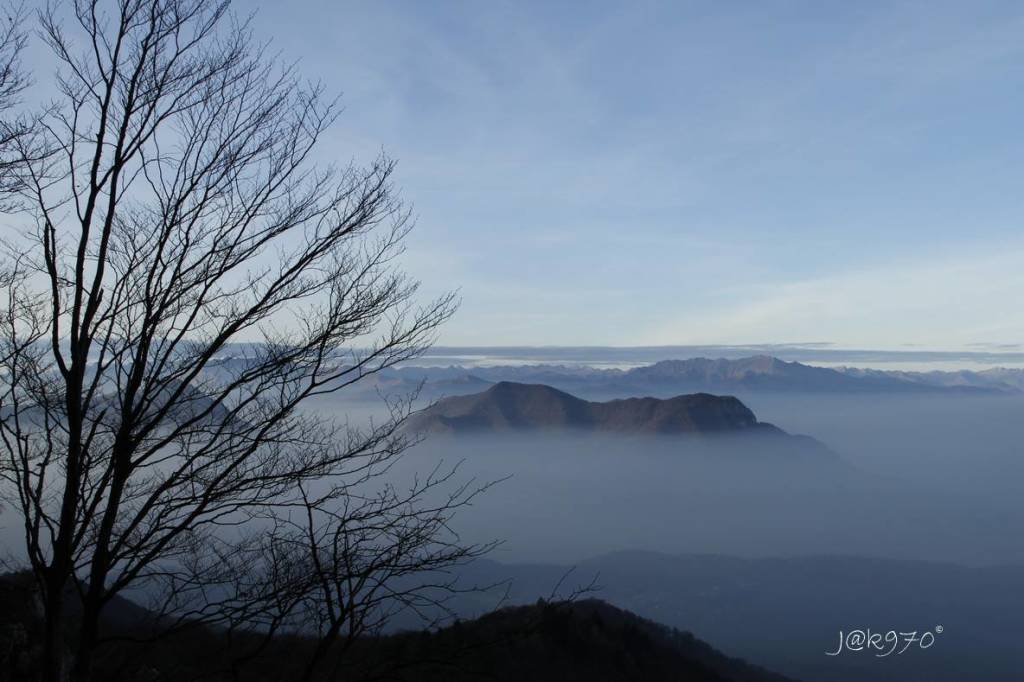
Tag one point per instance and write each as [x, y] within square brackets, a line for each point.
[913, 477]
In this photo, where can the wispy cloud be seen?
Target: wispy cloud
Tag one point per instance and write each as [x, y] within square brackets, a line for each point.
[661, 172]
[952, 302]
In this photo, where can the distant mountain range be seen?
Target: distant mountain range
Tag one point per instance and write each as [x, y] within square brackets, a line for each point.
[756, 374]
[996, 380]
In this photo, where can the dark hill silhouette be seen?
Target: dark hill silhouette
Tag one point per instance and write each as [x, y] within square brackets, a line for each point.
[547, 641]
[585, 640]
[508, 405]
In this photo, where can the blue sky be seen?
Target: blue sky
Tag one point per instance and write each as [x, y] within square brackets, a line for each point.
[672, 173]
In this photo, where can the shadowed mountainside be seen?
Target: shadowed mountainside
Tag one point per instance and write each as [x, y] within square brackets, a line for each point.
[511, 406]
[586, 640]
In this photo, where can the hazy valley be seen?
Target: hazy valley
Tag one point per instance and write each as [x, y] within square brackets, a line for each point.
[895, 502]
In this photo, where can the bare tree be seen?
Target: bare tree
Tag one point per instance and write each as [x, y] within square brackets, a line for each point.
[13, 82]
[192, 279]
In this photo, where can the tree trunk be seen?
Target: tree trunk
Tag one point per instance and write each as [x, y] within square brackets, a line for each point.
[54, 649]
[81, 671]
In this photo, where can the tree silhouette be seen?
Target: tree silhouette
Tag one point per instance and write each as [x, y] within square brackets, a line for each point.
[191, 278]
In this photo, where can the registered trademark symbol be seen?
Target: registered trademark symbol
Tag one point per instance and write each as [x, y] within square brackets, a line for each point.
[938, 628]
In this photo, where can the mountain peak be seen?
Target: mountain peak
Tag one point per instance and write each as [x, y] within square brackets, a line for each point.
[515, 388]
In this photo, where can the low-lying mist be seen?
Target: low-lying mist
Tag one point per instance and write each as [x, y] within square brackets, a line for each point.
[949, 443]
[913, 477]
